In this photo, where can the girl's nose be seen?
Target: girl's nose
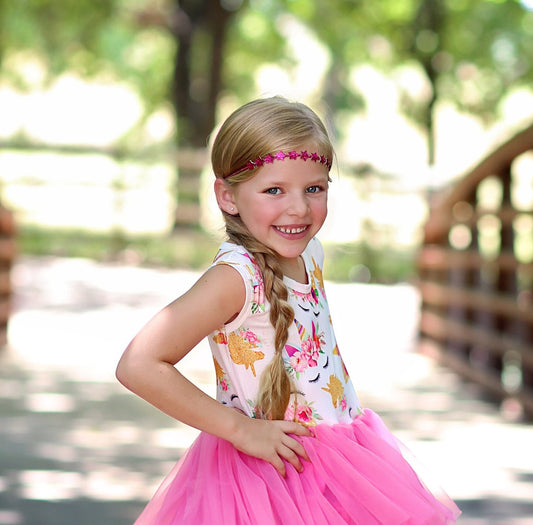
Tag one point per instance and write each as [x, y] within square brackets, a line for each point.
[298, 205]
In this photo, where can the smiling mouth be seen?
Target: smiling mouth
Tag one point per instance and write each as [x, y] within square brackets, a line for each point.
[282, 229]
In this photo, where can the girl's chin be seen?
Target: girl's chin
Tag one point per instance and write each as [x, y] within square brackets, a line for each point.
[291, 254]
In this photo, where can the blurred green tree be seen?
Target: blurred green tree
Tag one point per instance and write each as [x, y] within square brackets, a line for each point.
[188, 52]
[102, 38]
[471, 51]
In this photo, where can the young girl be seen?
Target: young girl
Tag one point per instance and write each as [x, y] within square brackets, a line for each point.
[286, 441]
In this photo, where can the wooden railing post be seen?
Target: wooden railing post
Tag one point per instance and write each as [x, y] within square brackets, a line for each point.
[7, 255]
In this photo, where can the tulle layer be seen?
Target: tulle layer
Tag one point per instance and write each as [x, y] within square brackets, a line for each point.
[356, 475]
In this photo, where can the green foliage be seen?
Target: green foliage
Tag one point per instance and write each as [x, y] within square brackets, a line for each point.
[196, 249]
[488, 52]
[478, 49]
[56, 31]
[253, 40]
[191, 249]
[91, 38]
[359, 262]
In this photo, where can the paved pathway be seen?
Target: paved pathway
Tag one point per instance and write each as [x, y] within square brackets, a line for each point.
[77, 449]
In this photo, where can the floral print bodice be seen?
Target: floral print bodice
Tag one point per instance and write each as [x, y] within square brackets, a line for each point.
[243, 348]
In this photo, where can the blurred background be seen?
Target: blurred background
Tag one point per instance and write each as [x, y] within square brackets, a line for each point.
[107, 111]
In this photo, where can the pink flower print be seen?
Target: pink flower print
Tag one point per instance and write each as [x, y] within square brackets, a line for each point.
[258, 298]
[250, 337]
[312, 347]
[309, 349]
[304, 414]
[344, 405]
[299, 361]
[306, 345]
[224, 385]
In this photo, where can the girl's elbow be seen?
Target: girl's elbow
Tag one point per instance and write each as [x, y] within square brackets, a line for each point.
[121, 373]
[126, 371]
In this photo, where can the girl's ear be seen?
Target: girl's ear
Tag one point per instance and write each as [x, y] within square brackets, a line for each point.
[225, 197]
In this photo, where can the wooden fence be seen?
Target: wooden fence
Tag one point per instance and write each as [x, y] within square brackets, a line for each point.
[476, 274]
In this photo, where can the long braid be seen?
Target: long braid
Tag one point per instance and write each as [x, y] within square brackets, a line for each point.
[275, 384]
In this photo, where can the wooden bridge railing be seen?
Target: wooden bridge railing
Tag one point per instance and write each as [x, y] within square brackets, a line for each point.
[476, 274]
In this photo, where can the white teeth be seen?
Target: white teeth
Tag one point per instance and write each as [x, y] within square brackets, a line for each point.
[290, 230]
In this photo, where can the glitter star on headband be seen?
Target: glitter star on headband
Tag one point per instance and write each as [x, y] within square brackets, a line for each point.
[280, 155]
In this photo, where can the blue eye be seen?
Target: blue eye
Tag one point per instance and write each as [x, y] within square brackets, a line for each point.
[314, 189]
[273, 191]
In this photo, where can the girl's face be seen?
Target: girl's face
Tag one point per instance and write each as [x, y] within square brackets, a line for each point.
[284, 205]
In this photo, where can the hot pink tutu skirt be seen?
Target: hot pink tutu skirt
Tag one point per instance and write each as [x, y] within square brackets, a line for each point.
[356, 475]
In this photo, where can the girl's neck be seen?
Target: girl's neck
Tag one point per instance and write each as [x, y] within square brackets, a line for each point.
[294, 269]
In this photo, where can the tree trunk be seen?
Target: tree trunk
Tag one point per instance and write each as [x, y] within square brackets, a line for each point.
[426, 44]
[218, 23]
[194, 95]
[2, 43]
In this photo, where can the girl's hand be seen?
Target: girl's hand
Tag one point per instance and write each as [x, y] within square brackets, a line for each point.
[270, 440]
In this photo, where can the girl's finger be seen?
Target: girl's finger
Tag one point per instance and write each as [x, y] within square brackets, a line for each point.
[296, 447]
[300, 450]
[289, 455]
[278, 464]
[295, 428]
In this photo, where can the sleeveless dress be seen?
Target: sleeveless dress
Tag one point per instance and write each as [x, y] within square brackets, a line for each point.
[356, 473]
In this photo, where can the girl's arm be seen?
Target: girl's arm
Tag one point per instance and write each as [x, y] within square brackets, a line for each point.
[147, 369]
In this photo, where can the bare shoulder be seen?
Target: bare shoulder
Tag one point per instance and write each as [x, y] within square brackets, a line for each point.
[219, 294]
[222, 283]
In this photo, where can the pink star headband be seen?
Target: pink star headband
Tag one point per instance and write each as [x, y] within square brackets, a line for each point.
[293, 155]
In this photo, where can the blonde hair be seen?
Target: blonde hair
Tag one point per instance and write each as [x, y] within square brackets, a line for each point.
[261, 127]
